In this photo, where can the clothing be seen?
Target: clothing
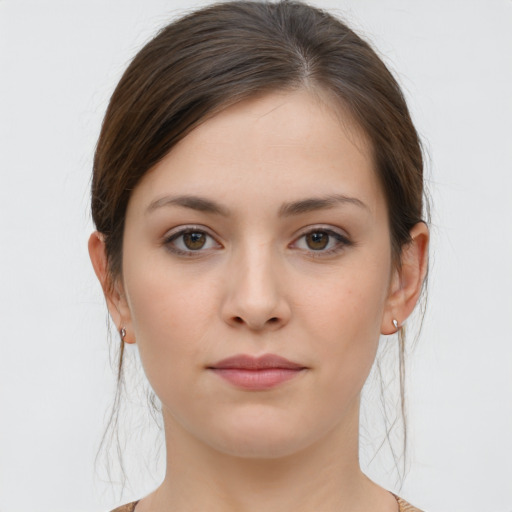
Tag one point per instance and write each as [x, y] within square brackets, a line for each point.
[403, 506]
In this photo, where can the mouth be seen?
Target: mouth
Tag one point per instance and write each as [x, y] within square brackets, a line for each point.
[257, 373]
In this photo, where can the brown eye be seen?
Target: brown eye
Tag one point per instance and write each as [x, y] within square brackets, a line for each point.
[191, 242]
[317, 240]
[320, 242]
[194, 240]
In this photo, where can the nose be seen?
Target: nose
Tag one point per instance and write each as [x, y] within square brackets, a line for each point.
[255, 292]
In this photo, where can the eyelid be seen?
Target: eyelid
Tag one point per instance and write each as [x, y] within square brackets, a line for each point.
[184, 228]
[178, 231]
[341, 236]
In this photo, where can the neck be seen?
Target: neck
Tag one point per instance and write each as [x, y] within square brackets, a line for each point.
[323, 476]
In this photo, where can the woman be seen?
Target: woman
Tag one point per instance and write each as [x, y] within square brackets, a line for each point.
[258, 198]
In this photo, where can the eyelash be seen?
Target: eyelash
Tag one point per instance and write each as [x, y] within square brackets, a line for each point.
[182, 232]
[341, 242]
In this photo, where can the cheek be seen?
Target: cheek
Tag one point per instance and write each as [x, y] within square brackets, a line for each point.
[171, 314]
[344, 319]
[349, 304]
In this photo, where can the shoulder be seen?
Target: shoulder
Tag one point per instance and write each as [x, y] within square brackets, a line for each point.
[129, 507]
[404, 506]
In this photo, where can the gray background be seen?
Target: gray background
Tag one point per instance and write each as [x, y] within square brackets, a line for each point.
[59, 62]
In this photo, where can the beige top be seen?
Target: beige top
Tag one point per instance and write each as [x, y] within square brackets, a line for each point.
[403, 506]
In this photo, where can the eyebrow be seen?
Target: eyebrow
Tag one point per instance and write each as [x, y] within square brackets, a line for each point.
[200, 204]
[299, 207]
[318, 203]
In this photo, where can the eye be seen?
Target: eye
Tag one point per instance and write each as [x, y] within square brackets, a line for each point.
[323, 241]
[190, 240]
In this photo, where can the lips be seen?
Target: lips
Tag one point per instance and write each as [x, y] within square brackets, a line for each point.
[268, 361]
[256, 373]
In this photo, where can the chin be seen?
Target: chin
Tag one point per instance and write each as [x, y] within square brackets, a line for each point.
[261, 438]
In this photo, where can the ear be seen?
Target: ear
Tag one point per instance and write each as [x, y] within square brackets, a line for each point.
[407, 280]
[112, 289]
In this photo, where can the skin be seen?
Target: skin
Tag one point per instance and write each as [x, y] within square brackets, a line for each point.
[259, 285]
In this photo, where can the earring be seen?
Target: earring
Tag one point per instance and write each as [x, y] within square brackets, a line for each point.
[122, 333]
[395, 323]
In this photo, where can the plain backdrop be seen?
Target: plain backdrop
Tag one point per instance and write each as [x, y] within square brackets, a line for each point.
[59, 63]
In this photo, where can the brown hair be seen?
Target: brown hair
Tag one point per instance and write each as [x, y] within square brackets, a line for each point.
[225, 53]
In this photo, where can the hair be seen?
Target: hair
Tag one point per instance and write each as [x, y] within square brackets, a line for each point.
[228, 52]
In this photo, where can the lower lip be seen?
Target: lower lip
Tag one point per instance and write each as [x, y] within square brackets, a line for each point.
[256, 380]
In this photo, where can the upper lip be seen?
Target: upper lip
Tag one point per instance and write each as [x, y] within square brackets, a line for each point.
[247, 362]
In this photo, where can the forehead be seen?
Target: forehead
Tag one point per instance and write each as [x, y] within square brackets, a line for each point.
[280, 144]
[281, 119]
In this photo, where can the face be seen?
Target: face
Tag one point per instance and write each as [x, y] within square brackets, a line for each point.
[262, 235]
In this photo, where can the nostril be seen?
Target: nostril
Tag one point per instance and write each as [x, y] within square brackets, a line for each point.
[240, 320]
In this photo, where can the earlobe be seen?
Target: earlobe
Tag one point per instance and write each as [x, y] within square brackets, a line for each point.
[408, 280]
[113, 290]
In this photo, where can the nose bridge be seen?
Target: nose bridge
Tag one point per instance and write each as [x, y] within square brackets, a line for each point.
[258, 282]
[256, 297]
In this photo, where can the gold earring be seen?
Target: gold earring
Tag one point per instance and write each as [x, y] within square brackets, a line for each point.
[122, 333]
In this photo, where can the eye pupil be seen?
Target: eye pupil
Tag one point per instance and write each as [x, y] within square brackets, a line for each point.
[317, 240]
[194, 241]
